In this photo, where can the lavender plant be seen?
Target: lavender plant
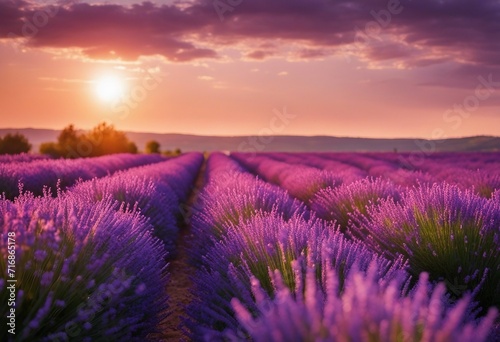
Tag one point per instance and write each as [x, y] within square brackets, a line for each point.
[22, 157]
[238, 197]
[305, 184]
[496, 196]
[178, 174]
[450, 233]
[84, 270]
[337, 204]
[483, 183]
[63, 173]
[264, 244]
[364, 310]
[157, 190]
[301, 181]
[232, 197]
[140, 193]
[345, 172]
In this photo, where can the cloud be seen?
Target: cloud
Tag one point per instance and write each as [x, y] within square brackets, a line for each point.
[406, 33]
[109, 31]
[259, 54]
[11, 13]
[205, 78]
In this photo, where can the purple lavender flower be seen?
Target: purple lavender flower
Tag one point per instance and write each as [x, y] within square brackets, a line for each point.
[484, 183]
[96, 262]
[259, 247]
[337, 204]
[301, 181]
[233, 196]
[441, 229]
[56, 174]
[346, 172]
[22, 158]
[155, 190]
[365, 310]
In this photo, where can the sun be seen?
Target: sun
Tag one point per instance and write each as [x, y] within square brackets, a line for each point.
[109, 88]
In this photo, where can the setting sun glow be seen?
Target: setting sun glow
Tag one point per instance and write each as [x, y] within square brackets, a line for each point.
[109, 88]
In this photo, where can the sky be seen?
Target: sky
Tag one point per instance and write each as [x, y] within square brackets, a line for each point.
[366, 68]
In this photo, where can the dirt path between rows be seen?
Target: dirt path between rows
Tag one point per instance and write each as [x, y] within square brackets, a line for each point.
[180, 272]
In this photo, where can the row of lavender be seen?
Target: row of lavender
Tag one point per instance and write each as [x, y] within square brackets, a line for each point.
[22, 157]
[268, 269]
[90, 263]
[452, 233]
[35, 174]
[468, 170]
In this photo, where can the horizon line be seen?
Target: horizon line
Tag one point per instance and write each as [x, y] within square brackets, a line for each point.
[274, 135]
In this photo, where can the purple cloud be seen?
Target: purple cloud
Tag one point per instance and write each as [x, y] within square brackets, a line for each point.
[413, 33]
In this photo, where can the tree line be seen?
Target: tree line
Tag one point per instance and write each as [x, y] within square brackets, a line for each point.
[14, 144]
[101, 140]
[73, 143]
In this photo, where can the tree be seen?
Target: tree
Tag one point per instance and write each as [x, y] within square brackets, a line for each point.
[14, 144]
[101, 140]
[132, 147]
[69, 145]
[51, 148]
[105, 139]
[170, 153]
[68, 142]
[153, 146]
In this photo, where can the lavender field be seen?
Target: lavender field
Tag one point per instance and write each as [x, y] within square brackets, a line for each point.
[251, 247]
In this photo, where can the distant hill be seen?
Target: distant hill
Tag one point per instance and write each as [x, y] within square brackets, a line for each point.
[283, 143]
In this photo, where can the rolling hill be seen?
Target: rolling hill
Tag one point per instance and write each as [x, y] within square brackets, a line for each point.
[285, 143]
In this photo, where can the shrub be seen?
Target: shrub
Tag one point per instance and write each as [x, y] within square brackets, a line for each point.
[234, 198]
[105, 139]
[264, 244]
[450, 233]
[140, 193]
[102, 140]
[51, 149]
[338, 204]
[14, 144]
[365, 310]
[63, 173]
[153, 146]
[81, 268]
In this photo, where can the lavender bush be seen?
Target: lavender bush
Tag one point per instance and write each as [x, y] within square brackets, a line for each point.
[22, 157]
[450, 233]
[232, 197]
[301, 181]
[264, 244]
[337, 204]
[156, 190]
[483, 183]
[139, 193]
[84, 270]
[63, 173]
[365, 310]
[346, 172]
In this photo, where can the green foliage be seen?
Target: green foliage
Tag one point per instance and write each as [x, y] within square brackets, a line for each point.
[105, 139]
[444, 231]
[14, 144]
[132, 147]
[174, 153]
[102, 140]
[50, 148]
[69, 140]
[153, 146]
